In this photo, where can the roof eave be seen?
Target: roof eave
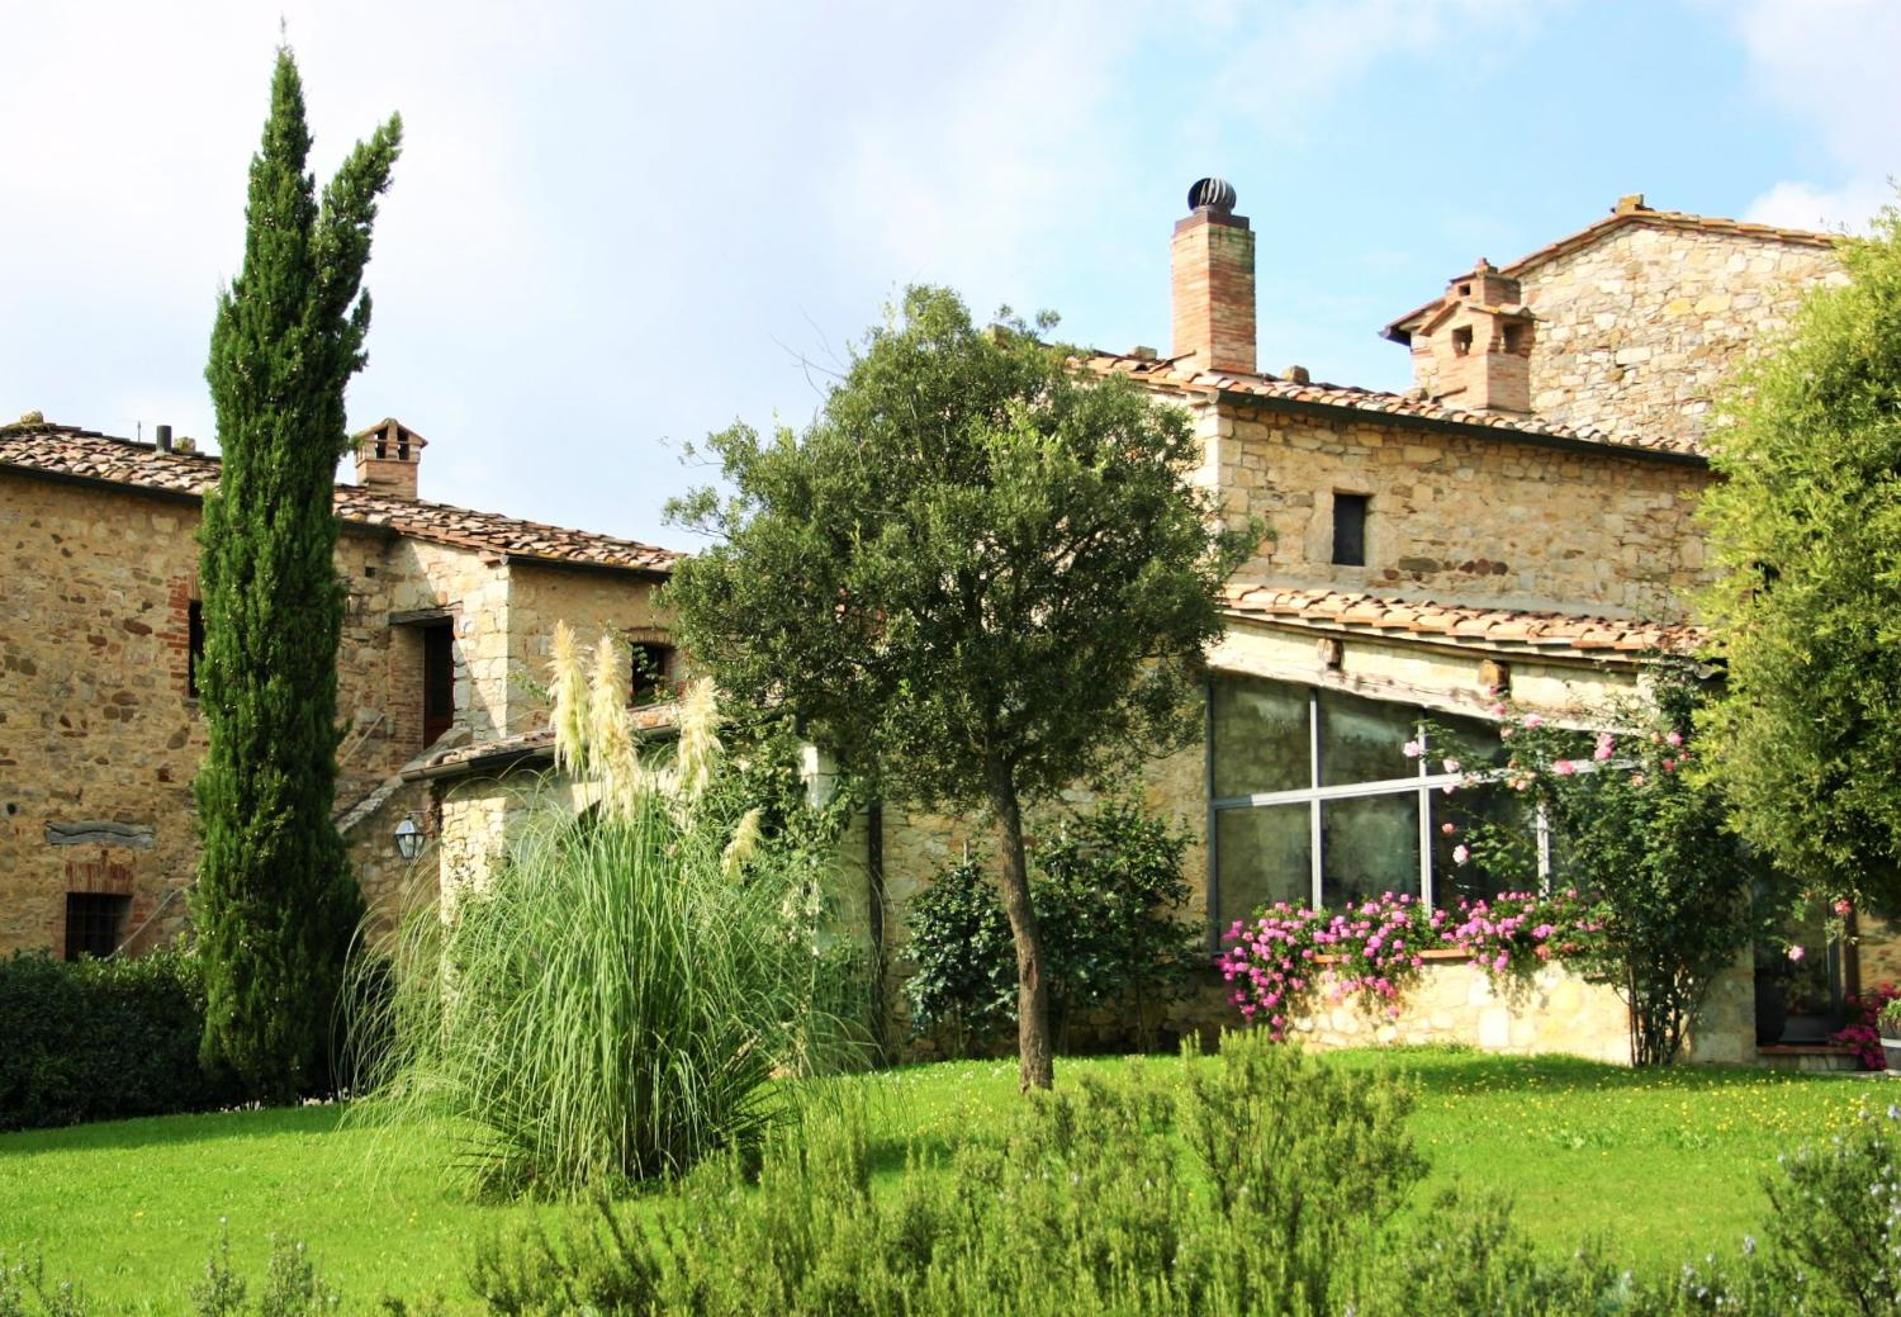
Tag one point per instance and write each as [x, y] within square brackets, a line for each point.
[1564, 655]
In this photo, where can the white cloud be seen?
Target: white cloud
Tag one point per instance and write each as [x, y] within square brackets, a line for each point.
[1804, 206]
[1831, 64]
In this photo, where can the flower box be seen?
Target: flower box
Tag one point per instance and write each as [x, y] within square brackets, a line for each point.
[1891, 1049]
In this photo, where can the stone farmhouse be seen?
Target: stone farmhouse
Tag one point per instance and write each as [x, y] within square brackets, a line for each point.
[447, 626]
[1520, 520]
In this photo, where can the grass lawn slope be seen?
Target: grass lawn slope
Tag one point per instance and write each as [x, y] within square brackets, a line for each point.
[1666, 1164]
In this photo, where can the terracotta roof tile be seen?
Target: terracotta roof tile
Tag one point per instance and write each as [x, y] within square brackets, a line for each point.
[1514, 629]
[64, 450]
[1163, 373]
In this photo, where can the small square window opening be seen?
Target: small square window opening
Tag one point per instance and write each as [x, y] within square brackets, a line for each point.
[652, 676]
[95, 922]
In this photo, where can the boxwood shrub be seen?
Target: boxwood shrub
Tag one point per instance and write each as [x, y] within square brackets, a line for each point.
[102, 1039]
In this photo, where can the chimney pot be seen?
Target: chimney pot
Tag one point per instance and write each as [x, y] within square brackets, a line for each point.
[387, 455]
[1629, 205]
[162, 436]
[1212, 275]
[1297, 375]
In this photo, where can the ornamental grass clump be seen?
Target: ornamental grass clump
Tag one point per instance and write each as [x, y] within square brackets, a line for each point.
[613, 1004]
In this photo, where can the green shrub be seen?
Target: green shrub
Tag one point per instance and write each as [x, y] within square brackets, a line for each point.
[102, 1039]
[963, 978]
[1249, 1190]
[1105, 891]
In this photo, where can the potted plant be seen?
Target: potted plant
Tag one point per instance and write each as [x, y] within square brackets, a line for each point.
[1890, 1029]
[1890, 1024]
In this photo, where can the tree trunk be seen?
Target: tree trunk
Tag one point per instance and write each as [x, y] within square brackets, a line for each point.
[1036, 1067]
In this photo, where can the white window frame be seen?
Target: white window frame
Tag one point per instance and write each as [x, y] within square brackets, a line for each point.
[1421, 784]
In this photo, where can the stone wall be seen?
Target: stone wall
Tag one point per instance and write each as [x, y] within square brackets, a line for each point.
[95, 720]
[1549, 1011]
[590, 602]
[1636, 332]
[1480, 520]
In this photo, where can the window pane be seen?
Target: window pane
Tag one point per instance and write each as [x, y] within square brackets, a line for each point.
[1368, 846]
[1261, 738]
[1262, 856]
[1364, 740]
[1511, 852]
[1472, 741]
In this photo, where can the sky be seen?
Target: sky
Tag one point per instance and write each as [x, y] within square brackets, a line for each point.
[616, 228]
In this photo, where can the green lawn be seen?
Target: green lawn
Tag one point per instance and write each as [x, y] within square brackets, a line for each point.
[1667, 1165]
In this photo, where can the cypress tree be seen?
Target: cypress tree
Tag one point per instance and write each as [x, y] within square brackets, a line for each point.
[276, 905]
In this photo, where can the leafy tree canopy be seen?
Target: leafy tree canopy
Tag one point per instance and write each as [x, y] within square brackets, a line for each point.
[1806, 534]
[975, 576]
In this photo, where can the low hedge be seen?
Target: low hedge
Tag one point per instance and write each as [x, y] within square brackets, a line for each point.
[102, 1039]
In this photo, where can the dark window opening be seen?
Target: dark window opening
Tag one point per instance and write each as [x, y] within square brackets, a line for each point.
[194, 645]
[1517, 338]
[1462, 341]
[438, 681]
[1349, 529]
[1465, 290]
[95, 922]
[652, 676]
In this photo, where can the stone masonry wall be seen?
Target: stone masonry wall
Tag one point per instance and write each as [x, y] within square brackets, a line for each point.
[1490, 521]
[590, 602]
[95, 721]
[1636, 332]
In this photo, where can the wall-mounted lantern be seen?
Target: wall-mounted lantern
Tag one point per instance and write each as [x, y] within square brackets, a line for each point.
[408, 838]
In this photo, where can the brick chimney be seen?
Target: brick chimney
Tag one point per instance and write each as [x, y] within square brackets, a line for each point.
[387, 455]
[1475, 350]
[1212, 260]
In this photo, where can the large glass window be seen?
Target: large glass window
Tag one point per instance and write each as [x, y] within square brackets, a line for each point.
[1264, 855]
[1363, 740]
[1368, 845]
[1317, 800]
[1262, 741]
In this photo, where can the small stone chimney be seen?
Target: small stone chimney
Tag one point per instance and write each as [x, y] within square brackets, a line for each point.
[387, 455]
[1212, 258]
[1475, 350]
